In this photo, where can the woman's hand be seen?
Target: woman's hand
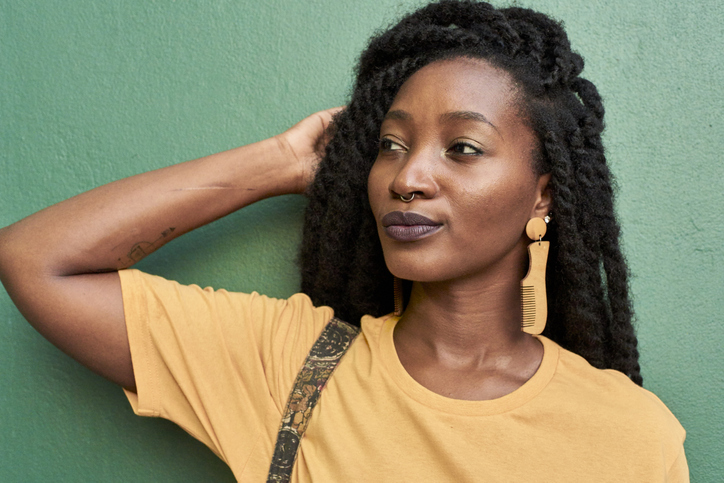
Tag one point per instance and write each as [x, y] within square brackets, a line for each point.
[305, 143]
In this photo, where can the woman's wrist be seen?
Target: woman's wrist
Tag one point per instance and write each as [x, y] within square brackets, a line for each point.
[292, 170]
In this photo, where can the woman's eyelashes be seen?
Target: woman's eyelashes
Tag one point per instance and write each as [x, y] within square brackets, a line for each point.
[388, 145]
[465, 148]
[459, 148]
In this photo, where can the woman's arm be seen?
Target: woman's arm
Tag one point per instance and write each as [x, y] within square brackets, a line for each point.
[59, 265]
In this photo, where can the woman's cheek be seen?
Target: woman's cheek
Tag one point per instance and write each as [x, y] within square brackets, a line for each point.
[375, 188]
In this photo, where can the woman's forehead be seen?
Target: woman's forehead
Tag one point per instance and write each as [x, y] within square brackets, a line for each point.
[459, 85]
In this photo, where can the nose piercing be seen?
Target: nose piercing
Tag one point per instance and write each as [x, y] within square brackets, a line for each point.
[407, 200]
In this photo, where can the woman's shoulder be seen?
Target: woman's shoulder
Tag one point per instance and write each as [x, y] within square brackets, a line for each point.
[271, 323]
[612, 397]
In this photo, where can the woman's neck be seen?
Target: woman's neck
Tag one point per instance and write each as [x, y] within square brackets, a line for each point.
[466, 314]
[470, 329]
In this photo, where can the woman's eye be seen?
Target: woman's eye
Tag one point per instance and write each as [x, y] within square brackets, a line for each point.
[387, 144]
[465, 148]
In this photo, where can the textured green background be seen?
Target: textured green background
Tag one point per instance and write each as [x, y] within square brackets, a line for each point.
[90, 92]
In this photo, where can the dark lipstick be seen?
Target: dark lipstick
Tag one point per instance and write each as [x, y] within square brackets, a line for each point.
[408, 226]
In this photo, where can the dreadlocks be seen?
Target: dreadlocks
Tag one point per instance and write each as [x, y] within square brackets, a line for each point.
[341, 257]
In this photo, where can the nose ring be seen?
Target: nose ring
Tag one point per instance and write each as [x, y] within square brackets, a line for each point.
[407, 200]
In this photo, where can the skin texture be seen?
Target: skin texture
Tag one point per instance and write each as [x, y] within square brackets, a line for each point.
[454, 138]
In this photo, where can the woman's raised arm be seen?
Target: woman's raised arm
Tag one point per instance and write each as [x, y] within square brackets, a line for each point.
[59, 265]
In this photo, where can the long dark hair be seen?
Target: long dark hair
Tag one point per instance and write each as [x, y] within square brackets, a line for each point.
[589, 311]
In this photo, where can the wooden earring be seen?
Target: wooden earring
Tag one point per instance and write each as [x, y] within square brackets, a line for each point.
[533, 287]
[398, 296]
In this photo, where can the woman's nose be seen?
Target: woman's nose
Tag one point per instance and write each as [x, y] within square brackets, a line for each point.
[416, 175]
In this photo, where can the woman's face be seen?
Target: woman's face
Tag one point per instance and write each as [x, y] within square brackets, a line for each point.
[453, 138]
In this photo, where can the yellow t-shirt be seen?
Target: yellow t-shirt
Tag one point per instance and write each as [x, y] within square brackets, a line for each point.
[221, 366]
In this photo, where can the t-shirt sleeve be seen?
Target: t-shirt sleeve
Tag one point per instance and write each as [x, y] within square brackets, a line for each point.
[672, 436]
[215, 362]
[679, 470]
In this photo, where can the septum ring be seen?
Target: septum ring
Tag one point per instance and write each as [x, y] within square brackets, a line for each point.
[407, 200]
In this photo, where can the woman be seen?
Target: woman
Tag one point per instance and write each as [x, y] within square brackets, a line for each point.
[466, 122]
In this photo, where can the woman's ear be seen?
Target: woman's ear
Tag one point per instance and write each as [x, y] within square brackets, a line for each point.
[544, 201]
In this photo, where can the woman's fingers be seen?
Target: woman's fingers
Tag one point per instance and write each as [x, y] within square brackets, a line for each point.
[307, 139]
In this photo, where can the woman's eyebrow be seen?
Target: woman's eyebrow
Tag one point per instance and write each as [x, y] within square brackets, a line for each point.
[466, 116]
[398, 115]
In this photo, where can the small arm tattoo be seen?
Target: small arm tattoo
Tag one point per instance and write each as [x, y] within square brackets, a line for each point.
[141, 249]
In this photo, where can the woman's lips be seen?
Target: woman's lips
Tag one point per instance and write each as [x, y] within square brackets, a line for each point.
[408, 225]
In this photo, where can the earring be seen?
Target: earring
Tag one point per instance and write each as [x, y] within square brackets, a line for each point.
[398, 296]
[533, 286]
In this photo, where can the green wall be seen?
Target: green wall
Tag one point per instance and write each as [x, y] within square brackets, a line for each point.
[90, 92]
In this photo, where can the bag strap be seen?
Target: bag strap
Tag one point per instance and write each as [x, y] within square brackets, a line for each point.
[321, 361]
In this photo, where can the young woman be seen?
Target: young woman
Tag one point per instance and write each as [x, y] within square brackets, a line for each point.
[466, 122]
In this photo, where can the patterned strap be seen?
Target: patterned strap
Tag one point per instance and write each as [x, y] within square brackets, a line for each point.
[321, 361]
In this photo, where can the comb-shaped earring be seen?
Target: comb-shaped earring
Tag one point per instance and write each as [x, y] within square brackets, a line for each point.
[398, 296]
[533, 287]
